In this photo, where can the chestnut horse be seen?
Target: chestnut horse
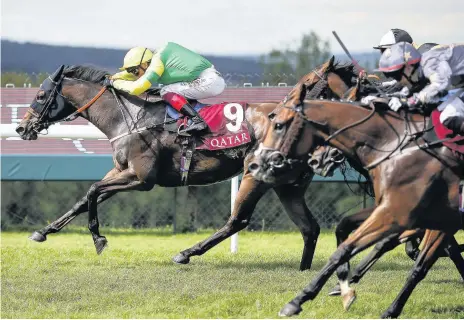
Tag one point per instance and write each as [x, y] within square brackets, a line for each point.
[416, 184]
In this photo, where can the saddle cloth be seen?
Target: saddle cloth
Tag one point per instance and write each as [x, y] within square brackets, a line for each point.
[226, 121]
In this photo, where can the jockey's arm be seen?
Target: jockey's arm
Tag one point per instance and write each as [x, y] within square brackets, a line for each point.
[439, 73]
[124, 75]
[139, 86]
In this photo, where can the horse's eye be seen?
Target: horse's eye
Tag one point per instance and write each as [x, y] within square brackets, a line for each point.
[40, 96]
[271, 116]
[278, 126]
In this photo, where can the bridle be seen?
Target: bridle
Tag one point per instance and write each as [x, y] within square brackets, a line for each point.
[281, 155]
[53, 97]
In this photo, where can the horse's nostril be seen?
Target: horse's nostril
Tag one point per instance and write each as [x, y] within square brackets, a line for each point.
[252, 167]
[20, 129]
[277, 158]
[314, 163]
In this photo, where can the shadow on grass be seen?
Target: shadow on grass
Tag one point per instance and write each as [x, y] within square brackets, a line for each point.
[458, 281]
[293, 265]
[159, 232]
[455, 309]
[290, 265]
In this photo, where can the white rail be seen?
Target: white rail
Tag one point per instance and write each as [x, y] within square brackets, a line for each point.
[58, 131]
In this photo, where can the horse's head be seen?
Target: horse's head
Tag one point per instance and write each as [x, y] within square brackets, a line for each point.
[330, 80]
[284, 144]
[49, 105]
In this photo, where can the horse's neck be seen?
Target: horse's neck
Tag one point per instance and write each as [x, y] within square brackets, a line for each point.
[368, 140]
[109, 117]
[257, 115]
[337, 85]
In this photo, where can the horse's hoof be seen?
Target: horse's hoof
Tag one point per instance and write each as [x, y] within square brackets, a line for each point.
[180, 258]
[348, 299]
[335, 291]
[38, 237]
[290, 309]
[100, 244]
[388, 315]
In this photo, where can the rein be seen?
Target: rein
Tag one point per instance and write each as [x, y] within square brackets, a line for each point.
[102, 90]
[73, 115]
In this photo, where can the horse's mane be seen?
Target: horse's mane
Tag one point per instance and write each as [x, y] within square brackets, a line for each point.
[346, 71]
[86, 73]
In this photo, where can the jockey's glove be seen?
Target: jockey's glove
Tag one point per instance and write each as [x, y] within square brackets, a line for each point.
[403, 93]
[366, 100]
[396, 103]
[413, 102]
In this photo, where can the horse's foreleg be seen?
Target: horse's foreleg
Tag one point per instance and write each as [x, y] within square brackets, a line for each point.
[380, 249]
[80, 207]
[433, 241]
[347, 293]
[292, 198]
[248, 195]
[123, 181]
[377, 227]
[453, 249]
[344, 228]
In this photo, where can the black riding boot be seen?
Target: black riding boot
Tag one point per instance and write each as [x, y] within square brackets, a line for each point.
[456, 124]
[198, 123]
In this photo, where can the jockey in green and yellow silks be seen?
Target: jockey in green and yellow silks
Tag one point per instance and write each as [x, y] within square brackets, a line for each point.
[184, 74]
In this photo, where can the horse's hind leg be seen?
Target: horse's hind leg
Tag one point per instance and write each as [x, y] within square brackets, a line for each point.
[292, 198]
[249, 193]
[433, 241]
[124, 181]
[412, 247]
[80, 207]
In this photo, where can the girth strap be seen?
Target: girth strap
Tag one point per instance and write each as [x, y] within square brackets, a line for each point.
[188, 147]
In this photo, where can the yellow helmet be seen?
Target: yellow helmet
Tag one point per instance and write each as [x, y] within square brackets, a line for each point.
[135, 56]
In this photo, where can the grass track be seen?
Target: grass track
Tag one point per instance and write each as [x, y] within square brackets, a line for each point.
[135, 278]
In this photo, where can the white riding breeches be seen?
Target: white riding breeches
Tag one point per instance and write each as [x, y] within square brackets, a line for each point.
[452, 107]
[209, 83]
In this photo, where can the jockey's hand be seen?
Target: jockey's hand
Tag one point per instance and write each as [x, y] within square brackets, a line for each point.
[413, 102]
[395, 104]
[390, 83]
[107, 82]
[366, 100]
[404, 92]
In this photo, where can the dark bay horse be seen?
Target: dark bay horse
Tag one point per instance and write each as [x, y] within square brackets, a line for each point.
[152, 157]
[415, 187]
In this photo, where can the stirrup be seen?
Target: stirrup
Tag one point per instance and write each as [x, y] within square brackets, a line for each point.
[182, 132]
[191, 128]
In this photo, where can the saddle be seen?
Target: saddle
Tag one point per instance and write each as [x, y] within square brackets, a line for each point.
[441, 133]
[227, 131]
[227, 127]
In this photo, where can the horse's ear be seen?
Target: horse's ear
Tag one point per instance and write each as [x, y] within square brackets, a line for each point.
[331, 63]
[57, 74]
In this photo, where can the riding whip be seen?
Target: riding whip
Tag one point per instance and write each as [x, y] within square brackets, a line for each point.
[356, 63]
